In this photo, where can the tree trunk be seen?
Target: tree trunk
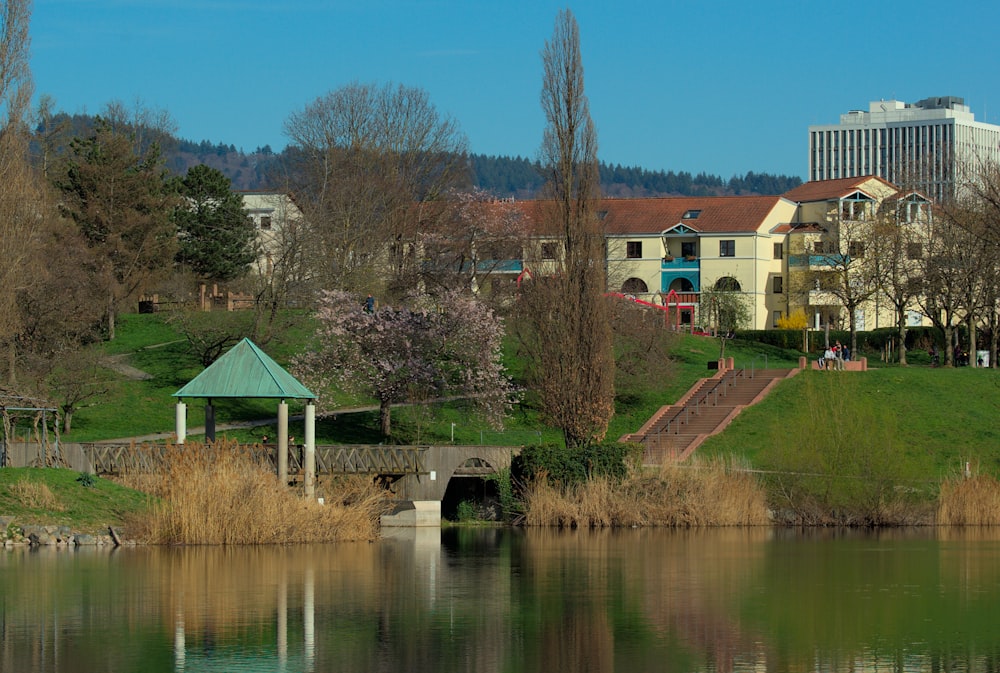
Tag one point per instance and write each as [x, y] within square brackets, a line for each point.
[111, 318]
[972, 342]
[902, 343]
[384, 419]
[67, 420]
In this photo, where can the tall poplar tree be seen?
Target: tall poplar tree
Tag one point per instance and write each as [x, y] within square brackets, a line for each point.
[566, 323]
[21, 201]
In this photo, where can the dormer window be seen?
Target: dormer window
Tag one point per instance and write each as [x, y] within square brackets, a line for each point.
[690, 214]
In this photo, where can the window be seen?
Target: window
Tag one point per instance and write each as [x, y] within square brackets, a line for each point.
[779, 285]
[549, 250]
[778, 250]
[913, 211]
[728, 284]
[914, 251]
[727, 248]
[633, 249]
[914, 319]
[859, 319]
[691, 215]
[856, 249]
[265, 221]
[634, 286]
[687, 249]
[776, 317]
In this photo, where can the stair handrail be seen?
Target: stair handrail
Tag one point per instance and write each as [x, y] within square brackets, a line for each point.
[714, 389]
[753, 364]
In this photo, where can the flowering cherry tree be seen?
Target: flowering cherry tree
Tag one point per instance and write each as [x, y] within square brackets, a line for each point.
[401, 354]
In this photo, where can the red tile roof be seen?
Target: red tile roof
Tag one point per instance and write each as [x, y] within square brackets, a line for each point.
[823, 190]
[719, 214]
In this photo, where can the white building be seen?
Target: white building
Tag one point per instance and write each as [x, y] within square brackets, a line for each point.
[275, 216]
[923, 145]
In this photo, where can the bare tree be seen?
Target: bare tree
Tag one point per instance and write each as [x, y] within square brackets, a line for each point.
[848, 266]
[362, 157]
[725, 310]
[468, 245]
[949, 259]
[279, 278]
[901, 239]
[564, 318]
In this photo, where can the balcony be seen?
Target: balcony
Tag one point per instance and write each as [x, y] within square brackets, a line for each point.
[679, 263]
[818, 261]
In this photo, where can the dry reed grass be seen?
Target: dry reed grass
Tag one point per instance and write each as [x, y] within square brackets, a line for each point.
[221, 494]
[973, 501]
[717, 493]
[35, 495]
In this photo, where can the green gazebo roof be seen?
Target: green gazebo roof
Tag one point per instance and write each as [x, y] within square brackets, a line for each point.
[245, 371]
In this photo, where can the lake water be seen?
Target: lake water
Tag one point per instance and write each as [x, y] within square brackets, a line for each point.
[512, 600]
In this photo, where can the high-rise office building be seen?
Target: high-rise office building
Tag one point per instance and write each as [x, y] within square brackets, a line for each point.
[932, 145]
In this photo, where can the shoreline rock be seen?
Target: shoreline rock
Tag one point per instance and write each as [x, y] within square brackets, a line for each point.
[13, 534]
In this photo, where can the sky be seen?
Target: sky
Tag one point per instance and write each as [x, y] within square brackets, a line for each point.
[701, 86]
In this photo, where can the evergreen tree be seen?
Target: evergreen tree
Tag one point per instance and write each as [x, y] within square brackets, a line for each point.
[217, 239]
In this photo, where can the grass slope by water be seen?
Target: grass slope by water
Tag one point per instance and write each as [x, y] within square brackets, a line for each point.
[935, 419]
[61, 498]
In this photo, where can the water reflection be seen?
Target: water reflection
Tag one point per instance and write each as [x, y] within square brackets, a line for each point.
[501, 600]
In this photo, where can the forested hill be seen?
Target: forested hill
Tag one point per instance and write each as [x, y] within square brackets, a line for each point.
[521, 178]
[517, 177]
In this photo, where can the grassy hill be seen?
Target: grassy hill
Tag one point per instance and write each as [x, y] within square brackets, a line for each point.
[939, 417]
[935, 419]
[148, 344]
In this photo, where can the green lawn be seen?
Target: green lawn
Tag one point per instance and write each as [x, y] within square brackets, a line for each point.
[941, 417]
[60, 497]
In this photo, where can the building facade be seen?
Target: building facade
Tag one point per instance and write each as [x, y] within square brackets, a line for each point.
[846, 236]
[807, 250]
[930, 145]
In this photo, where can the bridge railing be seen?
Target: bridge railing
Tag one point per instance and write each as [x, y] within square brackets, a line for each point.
[330, 459]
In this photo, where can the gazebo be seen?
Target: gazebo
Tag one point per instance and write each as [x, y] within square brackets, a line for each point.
[246, 371]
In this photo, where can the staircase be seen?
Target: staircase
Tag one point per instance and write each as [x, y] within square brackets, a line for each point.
[675, 431]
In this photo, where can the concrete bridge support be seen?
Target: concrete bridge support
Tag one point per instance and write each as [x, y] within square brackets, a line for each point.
[421, 494]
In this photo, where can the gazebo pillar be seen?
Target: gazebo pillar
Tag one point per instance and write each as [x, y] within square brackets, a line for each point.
[282, 457]
[309, 467]
[180, 421]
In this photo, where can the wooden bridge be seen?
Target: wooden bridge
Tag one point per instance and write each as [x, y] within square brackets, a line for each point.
[330, 459]
[419, 475]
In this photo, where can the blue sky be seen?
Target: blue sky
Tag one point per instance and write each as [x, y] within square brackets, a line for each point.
[715, 86]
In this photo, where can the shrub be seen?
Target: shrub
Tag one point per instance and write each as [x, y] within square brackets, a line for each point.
[566, 466]
[466, 511]
[796, 321]
[510, 505]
